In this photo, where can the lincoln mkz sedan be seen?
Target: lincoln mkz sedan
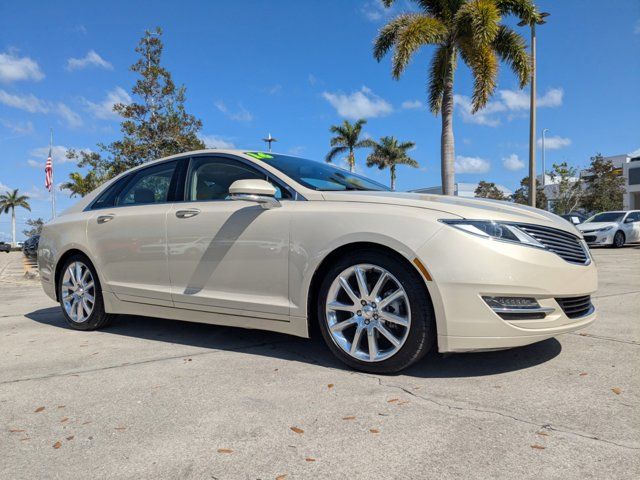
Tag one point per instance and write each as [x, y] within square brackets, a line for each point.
[267, 241]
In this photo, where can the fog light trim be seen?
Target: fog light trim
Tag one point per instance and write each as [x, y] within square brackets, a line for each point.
[517, 308]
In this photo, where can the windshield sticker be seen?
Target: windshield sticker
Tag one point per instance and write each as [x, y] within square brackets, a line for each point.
[259, 155]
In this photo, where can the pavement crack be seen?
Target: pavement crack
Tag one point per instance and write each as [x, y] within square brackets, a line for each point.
[143, 362]
[601, 337]
[547, 426]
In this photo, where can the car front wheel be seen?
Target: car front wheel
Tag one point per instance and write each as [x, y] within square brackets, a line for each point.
[80, 295]
[618, 240]
[375, 313]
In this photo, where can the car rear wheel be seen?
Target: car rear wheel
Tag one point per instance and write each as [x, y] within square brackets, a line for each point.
[618, 240]
[375, 313]
[80, 295]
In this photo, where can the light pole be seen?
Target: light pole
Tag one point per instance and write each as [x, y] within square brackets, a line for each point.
[269, 140]
[544, 172]
[536, 20]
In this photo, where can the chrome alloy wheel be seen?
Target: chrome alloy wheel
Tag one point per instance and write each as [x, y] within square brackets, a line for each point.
[368, 313]
[78, 292]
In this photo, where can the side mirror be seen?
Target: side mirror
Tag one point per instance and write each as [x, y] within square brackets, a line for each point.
[254, 190]
[629, 220]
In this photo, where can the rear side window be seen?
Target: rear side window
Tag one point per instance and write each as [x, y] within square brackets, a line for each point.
[149, 185]
[108, 198]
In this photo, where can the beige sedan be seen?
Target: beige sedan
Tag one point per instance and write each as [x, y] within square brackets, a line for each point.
[267, 241]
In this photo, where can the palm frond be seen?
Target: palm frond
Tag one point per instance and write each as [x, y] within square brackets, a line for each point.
[484, 65]
[335, 151]
[388, 35]
[419, 31]
[438, 72]
[512, 49]
[479, 19]
[523, 9]
[366, 143]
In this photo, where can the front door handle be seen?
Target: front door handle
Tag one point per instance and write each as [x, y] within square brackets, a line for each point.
[192, 212]
[105, 218]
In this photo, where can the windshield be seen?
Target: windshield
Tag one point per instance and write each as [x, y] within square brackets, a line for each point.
[606, 217]
[316, 175]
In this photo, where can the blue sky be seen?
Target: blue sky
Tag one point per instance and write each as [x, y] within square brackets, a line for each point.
[293, 68]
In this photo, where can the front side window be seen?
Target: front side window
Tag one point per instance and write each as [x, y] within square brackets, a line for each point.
[149, 185]
[210, 179]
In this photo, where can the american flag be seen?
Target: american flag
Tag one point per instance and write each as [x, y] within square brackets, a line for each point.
[48, 172]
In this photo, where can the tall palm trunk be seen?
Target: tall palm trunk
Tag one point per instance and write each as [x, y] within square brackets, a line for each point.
[13, 225]
[352, 161]
[392, 169]
[447, 148]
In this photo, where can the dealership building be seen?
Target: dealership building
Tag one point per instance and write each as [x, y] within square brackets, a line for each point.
[631, 173]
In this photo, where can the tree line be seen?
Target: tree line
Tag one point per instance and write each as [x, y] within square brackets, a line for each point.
[599, 188]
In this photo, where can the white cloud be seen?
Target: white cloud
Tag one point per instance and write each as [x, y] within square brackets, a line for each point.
[68, 115]
[636, 27]
[240, 115]
[412, 104]
[512, 162]
[360, 104]
[471, 165]
[58, 155]
[296, 150]
[91, 59]
[273, 89]
[519, 100]
[483, 117]
[104, 109]
[374, 10]
[215, 141]
[33, 104]
[509, 101]
[554, 143]
[312, 79]
[29, 103]
[19, 128]
[14, 68]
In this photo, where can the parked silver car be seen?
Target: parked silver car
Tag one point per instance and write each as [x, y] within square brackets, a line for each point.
[612, 228]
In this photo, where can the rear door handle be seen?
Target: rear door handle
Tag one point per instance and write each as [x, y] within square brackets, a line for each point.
[192, 212]
[105, 218]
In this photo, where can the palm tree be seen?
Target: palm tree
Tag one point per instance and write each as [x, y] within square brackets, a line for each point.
[388, 154]
[347, 138]
[9, 201]
[470, 28]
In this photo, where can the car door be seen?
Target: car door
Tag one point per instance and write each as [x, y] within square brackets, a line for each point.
[127, 236]
[228, 256]
[633, 227]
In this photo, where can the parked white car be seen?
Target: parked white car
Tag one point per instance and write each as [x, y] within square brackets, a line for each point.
[267, 241]
[612, 228]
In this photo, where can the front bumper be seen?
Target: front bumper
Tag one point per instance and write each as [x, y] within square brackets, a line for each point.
[465, 268]
[599, 238]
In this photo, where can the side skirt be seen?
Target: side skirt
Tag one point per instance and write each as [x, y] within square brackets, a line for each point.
[293, 326]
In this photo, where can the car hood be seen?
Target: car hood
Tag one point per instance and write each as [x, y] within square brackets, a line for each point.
[586, 227]
[470, 208]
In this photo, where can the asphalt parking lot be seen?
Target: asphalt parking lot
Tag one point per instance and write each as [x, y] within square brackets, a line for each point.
[151, 398]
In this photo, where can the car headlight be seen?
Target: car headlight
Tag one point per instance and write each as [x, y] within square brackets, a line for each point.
[495, 230]
[604, 229]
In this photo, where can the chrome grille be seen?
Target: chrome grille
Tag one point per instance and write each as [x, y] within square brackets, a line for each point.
[575, 307]
[564, 244]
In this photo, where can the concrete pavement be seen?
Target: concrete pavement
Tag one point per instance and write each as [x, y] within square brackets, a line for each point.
[151, 398]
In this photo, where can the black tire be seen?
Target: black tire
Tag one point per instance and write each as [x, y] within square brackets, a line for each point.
[98, 317]
[618, 240]
[422, 329]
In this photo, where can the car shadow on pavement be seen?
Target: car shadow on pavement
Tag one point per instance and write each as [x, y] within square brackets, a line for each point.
[313, 351]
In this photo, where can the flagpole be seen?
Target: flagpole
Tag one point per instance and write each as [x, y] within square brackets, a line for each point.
[53, 185]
